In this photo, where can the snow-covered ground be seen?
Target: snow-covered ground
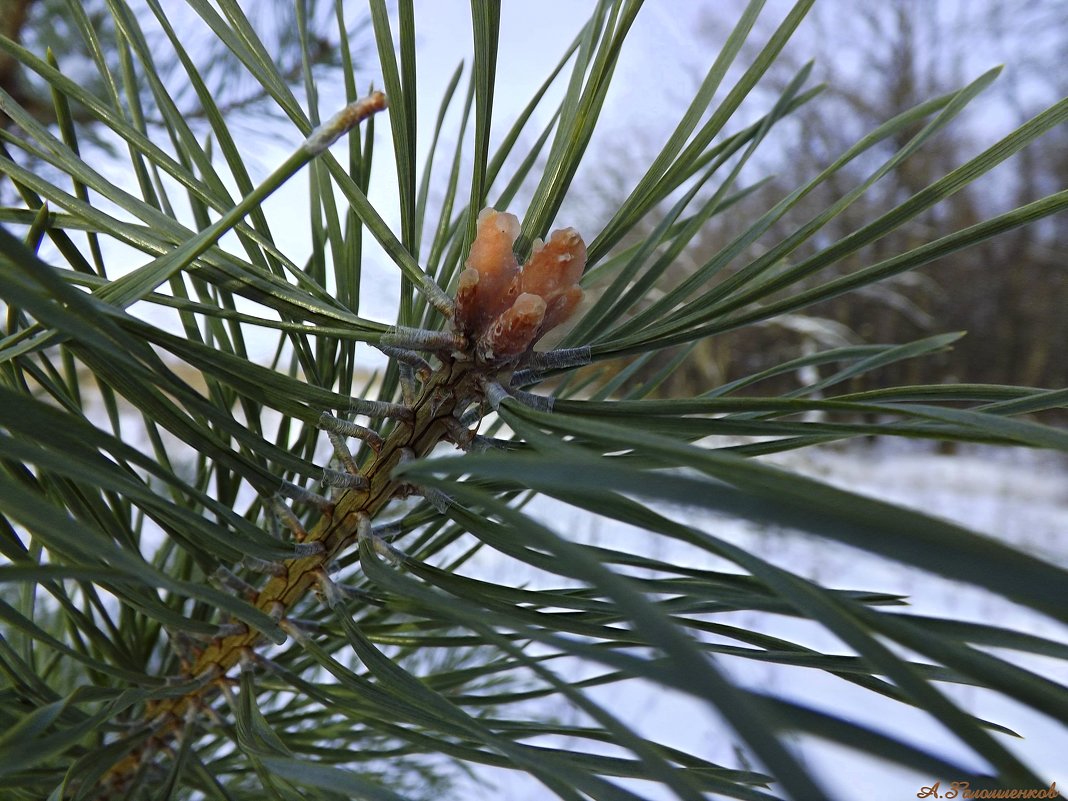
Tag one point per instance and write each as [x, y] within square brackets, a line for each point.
[1017, 495]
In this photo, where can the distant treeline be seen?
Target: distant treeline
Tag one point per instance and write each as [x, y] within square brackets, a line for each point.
[1009, 294]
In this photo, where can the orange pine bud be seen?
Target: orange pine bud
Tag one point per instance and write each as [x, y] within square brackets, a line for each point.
[559, 310]
[553, 272]
[484, 288]
[555, 266]
[506, 310]
[515, 330]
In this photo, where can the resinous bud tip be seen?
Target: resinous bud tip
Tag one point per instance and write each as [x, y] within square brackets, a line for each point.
[505, 309]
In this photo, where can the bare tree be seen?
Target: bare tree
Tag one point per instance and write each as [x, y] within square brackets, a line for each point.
[878, 60]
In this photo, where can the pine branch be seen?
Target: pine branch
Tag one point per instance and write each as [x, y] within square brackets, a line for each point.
[467, 375]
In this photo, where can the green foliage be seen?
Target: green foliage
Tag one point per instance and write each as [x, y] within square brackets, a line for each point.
[141, 444]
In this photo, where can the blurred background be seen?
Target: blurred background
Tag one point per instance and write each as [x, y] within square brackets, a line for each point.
[876, 59]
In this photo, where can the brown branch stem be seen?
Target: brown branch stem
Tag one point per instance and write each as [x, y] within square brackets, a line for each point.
[454, 383]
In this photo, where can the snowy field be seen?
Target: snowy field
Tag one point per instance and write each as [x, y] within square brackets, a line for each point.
[1016, 495]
